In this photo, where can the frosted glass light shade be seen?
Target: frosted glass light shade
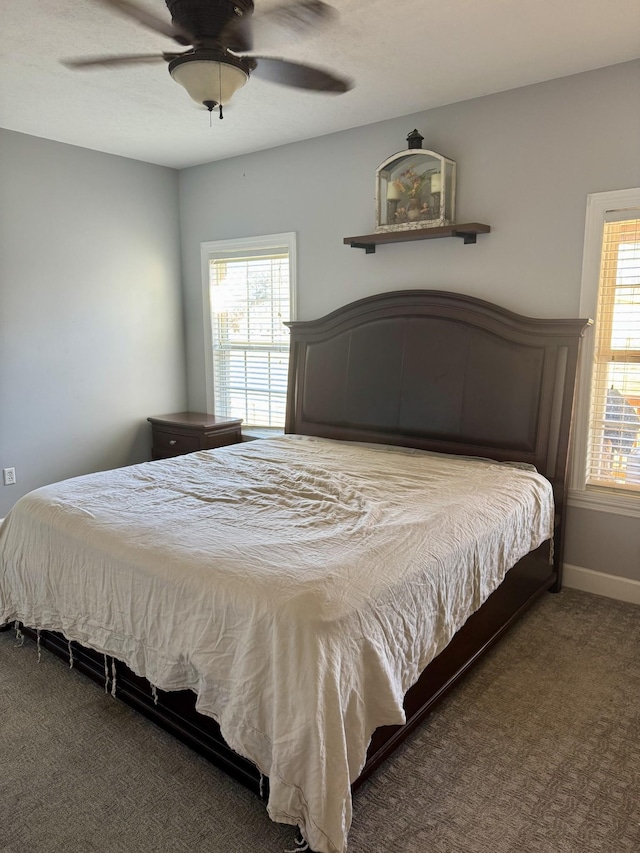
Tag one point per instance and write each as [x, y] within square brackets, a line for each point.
[208, 80]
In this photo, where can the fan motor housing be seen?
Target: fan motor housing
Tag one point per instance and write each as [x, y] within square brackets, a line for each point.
[205, 19]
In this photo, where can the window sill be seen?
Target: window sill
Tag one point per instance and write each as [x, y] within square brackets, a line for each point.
[602, 500]
[251, 433]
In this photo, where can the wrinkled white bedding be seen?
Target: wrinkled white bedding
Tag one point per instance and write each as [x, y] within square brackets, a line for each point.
[299, 586]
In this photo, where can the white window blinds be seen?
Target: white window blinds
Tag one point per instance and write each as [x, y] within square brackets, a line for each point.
[613, 457]
[250, 303]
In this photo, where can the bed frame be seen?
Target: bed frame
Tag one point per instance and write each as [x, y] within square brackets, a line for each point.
[430, 370]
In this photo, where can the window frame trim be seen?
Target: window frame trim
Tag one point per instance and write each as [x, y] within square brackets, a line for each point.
[581, 495]
[219, 249]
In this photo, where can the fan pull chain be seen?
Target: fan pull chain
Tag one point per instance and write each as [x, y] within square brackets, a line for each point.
[210, 106]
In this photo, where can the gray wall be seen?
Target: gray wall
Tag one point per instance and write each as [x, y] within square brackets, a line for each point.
[91, 322]
[527, 159]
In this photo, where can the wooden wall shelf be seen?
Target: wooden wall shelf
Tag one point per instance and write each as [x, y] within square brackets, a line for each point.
[467, 232]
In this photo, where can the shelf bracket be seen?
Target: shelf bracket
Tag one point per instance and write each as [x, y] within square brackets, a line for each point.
[369, 248]
[467, 236]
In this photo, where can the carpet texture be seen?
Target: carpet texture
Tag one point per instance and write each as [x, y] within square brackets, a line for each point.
[538, 751]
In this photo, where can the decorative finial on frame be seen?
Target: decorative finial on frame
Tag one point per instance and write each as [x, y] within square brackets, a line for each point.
[414, 139]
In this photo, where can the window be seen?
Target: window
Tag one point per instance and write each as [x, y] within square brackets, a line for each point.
[248, 297]
[614, 449]
[608, 434]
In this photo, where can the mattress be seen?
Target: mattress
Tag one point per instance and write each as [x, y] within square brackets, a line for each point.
[297, 585]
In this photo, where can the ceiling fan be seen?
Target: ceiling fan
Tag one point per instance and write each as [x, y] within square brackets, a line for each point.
[220, 35]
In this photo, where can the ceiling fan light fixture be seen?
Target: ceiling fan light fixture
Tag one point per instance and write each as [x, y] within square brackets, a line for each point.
[208, 80]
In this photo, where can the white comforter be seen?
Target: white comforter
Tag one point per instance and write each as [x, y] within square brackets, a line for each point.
[299, 586]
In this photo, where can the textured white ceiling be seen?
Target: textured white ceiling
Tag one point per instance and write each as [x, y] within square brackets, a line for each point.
[405, 56]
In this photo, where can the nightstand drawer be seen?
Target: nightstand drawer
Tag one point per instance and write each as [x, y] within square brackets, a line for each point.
[173, 442]
[222, 438]
[186, 432]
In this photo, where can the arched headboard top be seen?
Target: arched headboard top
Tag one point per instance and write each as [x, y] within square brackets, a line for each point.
[457, 306]
[438, 371]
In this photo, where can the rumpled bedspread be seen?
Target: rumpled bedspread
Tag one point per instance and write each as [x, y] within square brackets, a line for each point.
[298, 585]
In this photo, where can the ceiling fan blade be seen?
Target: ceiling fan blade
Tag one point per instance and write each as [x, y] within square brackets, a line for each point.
[149, 19]
[125, 59]
[300, 76]
[295, 17]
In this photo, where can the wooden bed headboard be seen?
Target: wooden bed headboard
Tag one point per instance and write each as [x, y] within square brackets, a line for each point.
[438, 371]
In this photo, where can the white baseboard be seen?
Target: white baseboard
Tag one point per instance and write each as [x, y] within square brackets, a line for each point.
[611, 586]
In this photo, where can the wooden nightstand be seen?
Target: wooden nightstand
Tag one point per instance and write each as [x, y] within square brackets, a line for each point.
[185, 432]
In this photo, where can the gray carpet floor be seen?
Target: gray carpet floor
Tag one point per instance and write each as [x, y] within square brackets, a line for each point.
[538, 751]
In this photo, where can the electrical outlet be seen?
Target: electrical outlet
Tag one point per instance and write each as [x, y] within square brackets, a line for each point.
[9, 475]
